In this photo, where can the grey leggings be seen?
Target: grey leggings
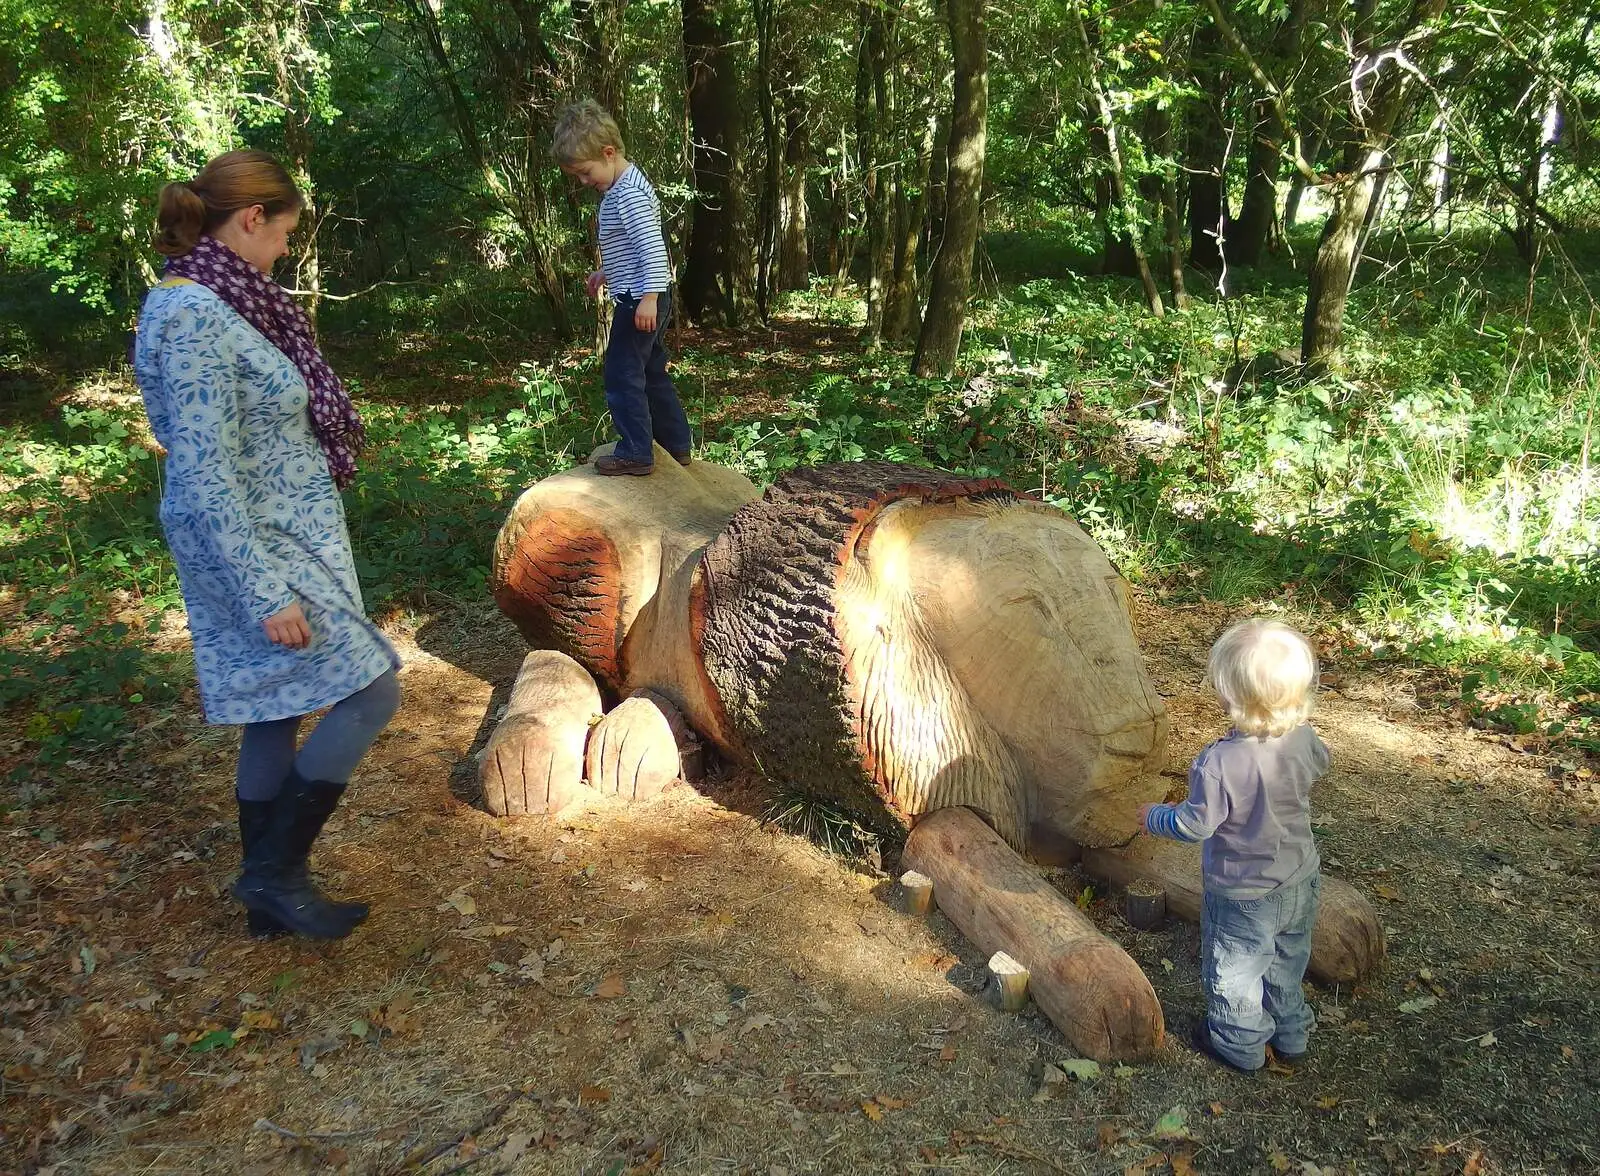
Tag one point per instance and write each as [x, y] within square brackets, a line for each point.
[331, 752]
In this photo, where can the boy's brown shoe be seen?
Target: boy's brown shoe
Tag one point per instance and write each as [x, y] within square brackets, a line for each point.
[683, 458]
[613, 466]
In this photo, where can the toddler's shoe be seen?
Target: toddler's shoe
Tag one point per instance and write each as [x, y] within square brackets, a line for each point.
[1285, 1058]
[1201, 1039]
[612, 466]
[683, 458]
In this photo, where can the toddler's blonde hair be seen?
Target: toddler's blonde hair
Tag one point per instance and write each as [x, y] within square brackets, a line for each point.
[1265, 673]
[583, 132]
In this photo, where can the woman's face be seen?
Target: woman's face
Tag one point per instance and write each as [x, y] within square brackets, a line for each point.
[258, 238]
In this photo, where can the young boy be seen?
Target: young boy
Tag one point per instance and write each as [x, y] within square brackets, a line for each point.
[1250, 802]
[633, 259]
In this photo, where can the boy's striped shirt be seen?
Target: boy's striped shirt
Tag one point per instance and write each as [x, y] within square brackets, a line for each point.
[633, 253]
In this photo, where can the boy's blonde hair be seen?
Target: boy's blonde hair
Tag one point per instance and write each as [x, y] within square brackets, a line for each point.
[1265, 673]
[583, 132]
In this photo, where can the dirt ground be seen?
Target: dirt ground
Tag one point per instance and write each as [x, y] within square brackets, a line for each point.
[681, 988]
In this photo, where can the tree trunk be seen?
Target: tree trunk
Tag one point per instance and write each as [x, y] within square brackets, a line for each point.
[875, 115]
[1311, 147]
[772, 162]
[794, 259]
[600, 30]
[710, 282]
[1334, 267]
[939, 342]
[1124, 197]
[1247, 239]
[911, 210]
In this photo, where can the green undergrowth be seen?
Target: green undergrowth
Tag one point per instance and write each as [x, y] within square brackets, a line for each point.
[1432, 503]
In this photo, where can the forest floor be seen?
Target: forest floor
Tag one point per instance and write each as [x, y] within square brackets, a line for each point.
[682, 987]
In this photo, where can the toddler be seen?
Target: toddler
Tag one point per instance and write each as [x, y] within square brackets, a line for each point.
[1250, 803]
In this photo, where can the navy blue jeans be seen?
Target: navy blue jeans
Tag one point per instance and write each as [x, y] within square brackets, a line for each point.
[644, 405]
[1254, 955]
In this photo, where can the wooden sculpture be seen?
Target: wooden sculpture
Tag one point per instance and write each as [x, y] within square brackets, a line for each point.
[900, 641]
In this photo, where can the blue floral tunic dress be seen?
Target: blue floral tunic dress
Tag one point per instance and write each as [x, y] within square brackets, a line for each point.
[250, 513]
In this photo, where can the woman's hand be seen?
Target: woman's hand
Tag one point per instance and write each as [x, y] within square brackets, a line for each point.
[287, 627]
[594, 281]
[645, 316]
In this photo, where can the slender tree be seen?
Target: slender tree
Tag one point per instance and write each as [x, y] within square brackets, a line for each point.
[939, 342]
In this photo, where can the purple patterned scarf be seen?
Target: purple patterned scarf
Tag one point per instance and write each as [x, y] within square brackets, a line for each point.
[267, 307]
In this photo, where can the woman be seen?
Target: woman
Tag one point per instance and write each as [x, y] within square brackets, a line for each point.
[259, 433]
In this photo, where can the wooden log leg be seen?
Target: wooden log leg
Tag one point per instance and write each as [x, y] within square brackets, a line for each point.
[1346, 944]
[1008, 980]
[534, 760]
[1086, 984]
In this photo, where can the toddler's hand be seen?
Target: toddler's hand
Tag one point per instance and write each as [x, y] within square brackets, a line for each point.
[594, 281]
[288, 627]
[1144, 815]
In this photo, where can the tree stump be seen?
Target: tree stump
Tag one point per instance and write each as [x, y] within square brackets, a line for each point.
[1144, 904]
[1008, 981]
[1346, 943]
[918, 889]
[534, 760]
[1087, 985]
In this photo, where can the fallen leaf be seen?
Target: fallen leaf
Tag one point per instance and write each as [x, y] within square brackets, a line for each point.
[756, 1021]
[462, 902]
[636, 885]
[516, 1143]
[1166, 964]
[558, 856]
[1279, 1162]
[1386, 892]
[1172, 1125]
[1108, 1135]
[1081, 1069]
[1487, 1040]
[553, 950]
[1182, 1164]
[948, 1053]
[1568, 1053]
[186, 973]
[1474, 1165]
[1417, 1004]
[872, 1111]
[259, 1019]
[1138, 1167]
[890, 1104]
[593, 1094]
[1216, 1110]
[611, 987]
[1326, 1102]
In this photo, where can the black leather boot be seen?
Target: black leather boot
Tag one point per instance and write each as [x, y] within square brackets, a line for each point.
[275, 883]
[318, 800]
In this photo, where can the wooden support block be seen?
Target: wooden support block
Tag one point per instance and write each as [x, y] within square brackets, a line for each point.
[1008, 980]
[1144, 904]
[1086, 984]
[919, 892]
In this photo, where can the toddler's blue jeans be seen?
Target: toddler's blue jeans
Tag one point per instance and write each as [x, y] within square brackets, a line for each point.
[644, 405]
[1253, 957]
